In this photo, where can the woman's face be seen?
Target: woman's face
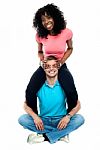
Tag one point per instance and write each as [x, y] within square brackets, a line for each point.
[47, 22]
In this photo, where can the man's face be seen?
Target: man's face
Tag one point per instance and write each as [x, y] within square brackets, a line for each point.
[51, 68]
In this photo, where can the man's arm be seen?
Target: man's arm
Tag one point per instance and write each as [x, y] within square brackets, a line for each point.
[65, 120]
[29, 111]
[37, 120]
[75, 109]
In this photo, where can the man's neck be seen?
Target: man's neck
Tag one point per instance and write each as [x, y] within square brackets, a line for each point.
[51, 81]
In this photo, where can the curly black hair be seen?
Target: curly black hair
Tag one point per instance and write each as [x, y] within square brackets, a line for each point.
[54, 12]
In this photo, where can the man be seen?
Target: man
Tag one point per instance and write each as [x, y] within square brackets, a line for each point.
[54, 122]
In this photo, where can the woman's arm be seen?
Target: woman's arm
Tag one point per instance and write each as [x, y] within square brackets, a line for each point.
[40, 51]
[67, 52]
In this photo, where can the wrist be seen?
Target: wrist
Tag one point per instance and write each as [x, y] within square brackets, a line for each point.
[34, 116]
[41, 63]
[60, 63]
[69, 115]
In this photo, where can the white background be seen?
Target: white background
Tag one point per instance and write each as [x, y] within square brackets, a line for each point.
[18, 60]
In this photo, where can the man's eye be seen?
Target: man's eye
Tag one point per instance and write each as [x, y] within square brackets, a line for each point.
[47, 66]
[54, 65]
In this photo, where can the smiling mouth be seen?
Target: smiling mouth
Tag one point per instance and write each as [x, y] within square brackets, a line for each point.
[49, 25]
[51, 72]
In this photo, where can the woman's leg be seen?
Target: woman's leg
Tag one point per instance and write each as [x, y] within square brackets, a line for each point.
[67, 82]
[35, 83]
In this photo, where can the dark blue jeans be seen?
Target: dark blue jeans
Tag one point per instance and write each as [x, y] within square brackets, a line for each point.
[65, 79]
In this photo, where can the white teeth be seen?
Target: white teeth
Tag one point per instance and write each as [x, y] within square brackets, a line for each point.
[51, 72]
[49, 25]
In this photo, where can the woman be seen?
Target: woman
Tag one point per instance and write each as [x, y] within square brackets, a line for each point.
[52, 37]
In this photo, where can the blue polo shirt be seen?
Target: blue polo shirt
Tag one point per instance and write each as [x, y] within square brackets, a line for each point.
[52, 100]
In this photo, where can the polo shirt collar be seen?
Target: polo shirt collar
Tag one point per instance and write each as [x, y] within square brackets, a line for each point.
[56, 83]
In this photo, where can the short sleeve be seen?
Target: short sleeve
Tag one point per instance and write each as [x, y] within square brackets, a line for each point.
[69, 34]
[37, 38]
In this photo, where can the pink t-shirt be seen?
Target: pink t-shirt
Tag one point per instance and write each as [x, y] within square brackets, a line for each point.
[55, 45]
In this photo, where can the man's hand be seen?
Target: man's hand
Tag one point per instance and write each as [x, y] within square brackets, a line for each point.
[39, 123]
[63, 122]
[37, 120]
